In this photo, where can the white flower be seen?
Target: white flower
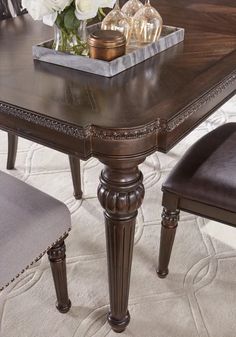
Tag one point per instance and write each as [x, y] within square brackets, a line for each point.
[107, 3]
[87, 9]
[36, 8]
[45, 10]
[50, 19]
[57, 5]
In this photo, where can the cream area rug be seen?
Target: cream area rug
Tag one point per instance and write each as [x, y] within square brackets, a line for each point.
[197, 299]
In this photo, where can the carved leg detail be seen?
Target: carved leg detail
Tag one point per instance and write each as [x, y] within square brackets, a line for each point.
[120, 193]
[57, 258]
[76, 178]
[12, 150]
[168, 230]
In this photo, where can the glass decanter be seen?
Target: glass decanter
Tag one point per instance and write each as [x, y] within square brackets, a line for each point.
[147, 24]
[117, 20]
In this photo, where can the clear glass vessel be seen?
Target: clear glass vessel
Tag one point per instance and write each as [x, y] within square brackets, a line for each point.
[147, 24]
[117, 20]
[131, 7]
[74, 42]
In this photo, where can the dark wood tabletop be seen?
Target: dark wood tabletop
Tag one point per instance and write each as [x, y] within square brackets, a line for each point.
[172, 90]
[123, 119]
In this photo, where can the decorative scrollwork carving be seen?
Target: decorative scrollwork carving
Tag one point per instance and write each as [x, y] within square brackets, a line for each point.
[77, 132]
[119, 133]
[47, 122]
[132, 133]
[205, 99]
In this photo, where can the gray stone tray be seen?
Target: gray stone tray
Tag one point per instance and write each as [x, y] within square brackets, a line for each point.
[170, 36]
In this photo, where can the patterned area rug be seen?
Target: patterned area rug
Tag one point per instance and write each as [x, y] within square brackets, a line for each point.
[196, 300]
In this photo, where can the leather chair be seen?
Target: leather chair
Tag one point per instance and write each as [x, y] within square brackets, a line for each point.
[31, 224]
[10, 9]
[202, 183]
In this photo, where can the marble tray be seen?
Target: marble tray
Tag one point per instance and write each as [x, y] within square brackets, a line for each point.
[170, 36]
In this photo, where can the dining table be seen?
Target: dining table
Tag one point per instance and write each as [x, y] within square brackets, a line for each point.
[123, 119]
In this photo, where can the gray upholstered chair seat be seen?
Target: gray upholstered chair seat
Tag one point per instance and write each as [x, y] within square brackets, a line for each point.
[31, 223]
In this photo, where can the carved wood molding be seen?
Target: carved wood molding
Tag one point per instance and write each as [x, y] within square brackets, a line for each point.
[170, 218]
[118, 134]
[123, 134]
[77, 132]
[200, 103]
[121, 199]
[43, 121]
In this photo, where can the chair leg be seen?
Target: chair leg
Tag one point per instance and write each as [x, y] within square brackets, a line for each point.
[168, 230]
[12, 150]
[57, 258]
[76, 178]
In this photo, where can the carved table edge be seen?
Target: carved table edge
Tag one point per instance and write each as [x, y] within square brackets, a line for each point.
[119, 133]
[79, 132]
[201, 102]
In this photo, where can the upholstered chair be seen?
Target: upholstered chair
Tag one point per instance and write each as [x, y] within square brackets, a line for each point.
[202, 183]
[31, 224]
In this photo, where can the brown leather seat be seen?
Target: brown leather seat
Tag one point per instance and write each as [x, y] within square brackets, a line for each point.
[203, 183]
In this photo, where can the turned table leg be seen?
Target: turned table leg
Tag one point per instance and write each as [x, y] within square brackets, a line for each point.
[120, 193]
[168, 230]
[12, 150]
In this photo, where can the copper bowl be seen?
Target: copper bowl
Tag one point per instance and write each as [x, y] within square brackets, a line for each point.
[106, 44]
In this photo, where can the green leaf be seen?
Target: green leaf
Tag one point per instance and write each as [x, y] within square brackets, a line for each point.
[100, 14]
[101, 11]
[71, 23]
[60, 21]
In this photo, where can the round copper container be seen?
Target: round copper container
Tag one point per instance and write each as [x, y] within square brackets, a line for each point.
[106, 44]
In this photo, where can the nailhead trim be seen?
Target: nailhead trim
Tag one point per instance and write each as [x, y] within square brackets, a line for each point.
[37, 258]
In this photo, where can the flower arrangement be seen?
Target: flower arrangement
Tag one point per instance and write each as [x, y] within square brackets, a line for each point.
[49, 10]
[67, 15]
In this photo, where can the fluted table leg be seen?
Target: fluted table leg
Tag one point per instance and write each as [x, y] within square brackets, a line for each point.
[120, 193]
